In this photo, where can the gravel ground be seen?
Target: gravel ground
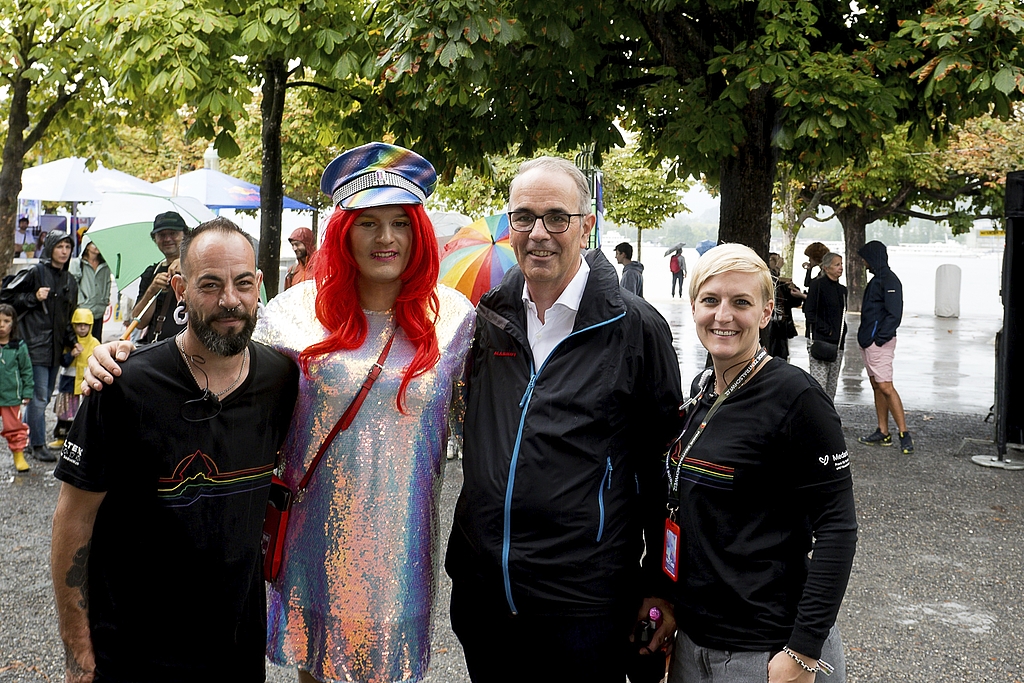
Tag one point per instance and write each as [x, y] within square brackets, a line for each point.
[935, 592]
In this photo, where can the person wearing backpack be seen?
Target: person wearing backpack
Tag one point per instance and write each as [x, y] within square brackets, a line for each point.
[45, 296]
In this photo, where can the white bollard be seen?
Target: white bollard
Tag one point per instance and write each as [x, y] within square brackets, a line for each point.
[947, 291]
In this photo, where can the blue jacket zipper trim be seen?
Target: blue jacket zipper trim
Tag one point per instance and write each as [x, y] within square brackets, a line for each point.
[606, 481]
[506, 541]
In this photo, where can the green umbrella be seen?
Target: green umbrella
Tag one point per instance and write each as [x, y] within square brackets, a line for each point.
[122, 226]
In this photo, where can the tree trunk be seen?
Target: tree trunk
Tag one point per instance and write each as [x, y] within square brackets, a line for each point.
[13, 165]
[747, 178]
[854, 222]
[789, 233]
[639, 233]
[275, 76]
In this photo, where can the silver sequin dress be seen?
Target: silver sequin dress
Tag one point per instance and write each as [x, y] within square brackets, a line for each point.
[354, 597]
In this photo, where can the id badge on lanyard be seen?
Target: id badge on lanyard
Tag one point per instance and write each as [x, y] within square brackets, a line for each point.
[670, 554]
[676, 456]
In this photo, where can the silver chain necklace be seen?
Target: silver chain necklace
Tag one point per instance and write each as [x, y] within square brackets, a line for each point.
[188, 363]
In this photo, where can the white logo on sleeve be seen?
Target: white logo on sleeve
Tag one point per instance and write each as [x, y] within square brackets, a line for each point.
[72, 452]
[840, 460]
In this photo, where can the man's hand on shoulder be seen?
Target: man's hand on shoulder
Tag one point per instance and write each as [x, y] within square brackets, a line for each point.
[103, 365]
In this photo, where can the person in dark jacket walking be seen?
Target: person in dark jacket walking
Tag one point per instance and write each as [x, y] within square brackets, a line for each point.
[632, 271]
[46, 296]
[572, 395]
[880, 315]
[825, 312]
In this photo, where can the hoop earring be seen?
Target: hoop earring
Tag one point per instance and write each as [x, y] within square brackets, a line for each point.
[180, 314]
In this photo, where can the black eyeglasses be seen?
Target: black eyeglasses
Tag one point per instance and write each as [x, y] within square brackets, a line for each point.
[554, 222]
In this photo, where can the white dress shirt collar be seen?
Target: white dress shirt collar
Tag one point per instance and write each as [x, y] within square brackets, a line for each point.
[558, 320]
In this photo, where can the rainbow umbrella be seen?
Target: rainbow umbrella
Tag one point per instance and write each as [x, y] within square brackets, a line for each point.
[477, 256]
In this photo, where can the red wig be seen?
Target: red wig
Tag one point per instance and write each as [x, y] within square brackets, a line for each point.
[337, 304]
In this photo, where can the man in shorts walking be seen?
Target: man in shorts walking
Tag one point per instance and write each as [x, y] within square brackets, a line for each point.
[880, 315]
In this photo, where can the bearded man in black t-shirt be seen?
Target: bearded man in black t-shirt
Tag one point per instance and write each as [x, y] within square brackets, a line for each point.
[155, 552]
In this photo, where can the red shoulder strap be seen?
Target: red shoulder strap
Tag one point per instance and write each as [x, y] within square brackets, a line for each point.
[350, 412]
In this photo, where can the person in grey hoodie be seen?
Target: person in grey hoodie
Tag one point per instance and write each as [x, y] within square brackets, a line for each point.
[632, 271]
[880, 315]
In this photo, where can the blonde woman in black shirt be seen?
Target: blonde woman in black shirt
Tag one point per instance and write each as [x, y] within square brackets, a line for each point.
[758, 479]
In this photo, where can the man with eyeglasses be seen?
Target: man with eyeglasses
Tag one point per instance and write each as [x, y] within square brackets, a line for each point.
[572, 395]
[155, 554]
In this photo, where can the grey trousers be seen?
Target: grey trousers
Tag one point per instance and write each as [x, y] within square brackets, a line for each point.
[692, 663]
[826, 374]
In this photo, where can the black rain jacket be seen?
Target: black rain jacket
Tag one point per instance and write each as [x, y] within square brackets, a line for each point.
[882, 310]
[564, 463]
[44, 325]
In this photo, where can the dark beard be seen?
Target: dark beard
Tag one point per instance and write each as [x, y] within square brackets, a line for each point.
[224, 345]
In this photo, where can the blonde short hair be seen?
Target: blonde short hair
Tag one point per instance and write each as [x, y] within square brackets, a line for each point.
[731, 258]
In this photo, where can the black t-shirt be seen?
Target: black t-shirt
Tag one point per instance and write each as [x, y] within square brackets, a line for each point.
[164, 305]
[175, 586]
[770, 469]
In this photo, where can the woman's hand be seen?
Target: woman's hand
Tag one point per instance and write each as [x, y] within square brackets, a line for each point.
[784, 669]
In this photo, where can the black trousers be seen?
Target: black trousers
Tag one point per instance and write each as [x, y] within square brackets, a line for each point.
[500, 647]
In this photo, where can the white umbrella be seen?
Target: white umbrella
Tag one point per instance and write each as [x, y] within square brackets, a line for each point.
[220, 191]
[123, 223]
[446, 224]
[64, 180]
[110, 180]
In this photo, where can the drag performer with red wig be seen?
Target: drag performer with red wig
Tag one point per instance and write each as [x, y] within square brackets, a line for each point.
[354, 597]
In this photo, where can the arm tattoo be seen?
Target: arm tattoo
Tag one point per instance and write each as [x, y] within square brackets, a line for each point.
[78, 574]
[71, 664]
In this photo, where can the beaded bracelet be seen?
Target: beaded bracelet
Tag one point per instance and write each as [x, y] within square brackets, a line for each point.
[823, 666]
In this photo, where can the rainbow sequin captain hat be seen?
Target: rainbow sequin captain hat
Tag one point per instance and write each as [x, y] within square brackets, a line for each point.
[378, 174]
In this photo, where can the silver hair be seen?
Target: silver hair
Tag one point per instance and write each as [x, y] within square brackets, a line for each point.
[828, 258]
[562, 166]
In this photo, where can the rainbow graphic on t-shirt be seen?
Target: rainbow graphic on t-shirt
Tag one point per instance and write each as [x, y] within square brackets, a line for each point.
[707, 473]
[197, 476]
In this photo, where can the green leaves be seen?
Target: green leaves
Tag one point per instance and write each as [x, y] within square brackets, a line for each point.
[974, 55]
[1008, 79]
[639, 191]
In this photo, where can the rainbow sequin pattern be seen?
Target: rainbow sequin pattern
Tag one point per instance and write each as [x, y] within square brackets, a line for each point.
[354, 598]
